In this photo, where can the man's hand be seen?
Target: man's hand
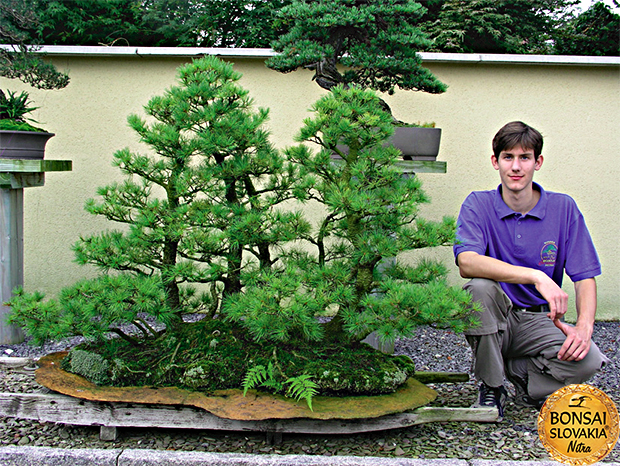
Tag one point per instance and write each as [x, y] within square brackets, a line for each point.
[579, 338]
[553, 294]
[577, 343]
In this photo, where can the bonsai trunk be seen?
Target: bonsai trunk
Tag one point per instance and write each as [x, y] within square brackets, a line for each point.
[171, 287]
[232, 284]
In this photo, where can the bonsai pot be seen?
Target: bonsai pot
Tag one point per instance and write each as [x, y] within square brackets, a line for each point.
[417, 143]
[414, 142]
[23, 144]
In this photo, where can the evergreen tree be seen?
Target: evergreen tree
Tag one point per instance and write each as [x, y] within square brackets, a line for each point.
[494, 26]
[161, 23]
[594, 32]
[19, 59]
[371, 214]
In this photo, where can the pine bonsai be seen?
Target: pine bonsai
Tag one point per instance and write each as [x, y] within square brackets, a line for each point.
[366, 43]
[193, 208]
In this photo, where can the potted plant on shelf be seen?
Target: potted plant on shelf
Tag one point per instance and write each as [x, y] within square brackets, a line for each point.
[18, 60]
[205, 209]
[18, 138]
[364, 43]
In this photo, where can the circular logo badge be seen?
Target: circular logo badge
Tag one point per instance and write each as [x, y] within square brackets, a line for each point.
[578, 425]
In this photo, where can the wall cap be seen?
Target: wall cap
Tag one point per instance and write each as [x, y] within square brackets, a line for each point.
[429, 57]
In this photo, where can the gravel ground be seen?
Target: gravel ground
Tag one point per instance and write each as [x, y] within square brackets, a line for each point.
[432, 349]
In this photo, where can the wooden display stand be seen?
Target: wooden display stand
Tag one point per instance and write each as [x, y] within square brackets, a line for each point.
[109, 416]
[15, 175]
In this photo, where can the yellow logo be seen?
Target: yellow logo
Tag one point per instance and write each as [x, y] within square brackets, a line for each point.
[578, 425]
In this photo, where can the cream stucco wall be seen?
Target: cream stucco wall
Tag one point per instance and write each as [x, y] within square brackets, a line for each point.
[575, 106]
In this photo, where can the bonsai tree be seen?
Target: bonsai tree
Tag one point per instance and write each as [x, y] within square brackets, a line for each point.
[20, 60]
[371, 213]
[373, 41]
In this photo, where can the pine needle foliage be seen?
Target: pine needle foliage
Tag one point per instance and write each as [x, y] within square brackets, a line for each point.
[353, 267]
[368, 43]
[199, 207]
[93, 309]
[220, 177]
[19, 59]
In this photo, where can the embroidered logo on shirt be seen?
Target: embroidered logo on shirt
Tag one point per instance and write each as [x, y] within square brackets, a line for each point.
[548, 254]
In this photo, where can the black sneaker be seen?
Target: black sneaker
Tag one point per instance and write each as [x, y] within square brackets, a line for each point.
[492, 397]
[522, 397]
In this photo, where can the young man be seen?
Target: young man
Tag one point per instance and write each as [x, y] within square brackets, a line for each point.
[515, 243]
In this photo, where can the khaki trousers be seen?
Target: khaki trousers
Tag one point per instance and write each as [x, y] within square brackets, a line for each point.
[530, 338]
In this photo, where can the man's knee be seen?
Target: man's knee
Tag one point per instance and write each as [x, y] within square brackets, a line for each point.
[494, 305]
[480, 288]
[588, 366]
[547, 373]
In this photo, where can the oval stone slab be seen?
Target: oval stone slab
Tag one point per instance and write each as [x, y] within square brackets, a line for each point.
[231, 404]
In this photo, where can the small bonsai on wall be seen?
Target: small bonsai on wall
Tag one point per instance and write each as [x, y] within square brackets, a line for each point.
[369, 44]
[283, 300]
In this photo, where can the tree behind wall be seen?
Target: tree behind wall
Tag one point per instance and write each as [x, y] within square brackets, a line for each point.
[495, 26]
[594, 32]
[19, 60]
[163, 23]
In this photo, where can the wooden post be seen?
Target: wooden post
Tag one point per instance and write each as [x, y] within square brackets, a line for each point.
[11, 258]
[15, 175]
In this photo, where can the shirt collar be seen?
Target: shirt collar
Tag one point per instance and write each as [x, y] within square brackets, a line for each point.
[503, 210]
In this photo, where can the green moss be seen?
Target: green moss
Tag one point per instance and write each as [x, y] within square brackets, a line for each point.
[89, 365]
[212, 355]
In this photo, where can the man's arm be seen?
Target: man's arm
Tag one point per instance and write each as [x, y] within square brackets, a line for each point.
[474, 265]
[578, 338]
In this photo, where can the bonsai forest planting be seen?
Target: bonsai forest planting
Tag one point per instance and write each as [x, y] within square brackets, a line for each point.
[215, 277]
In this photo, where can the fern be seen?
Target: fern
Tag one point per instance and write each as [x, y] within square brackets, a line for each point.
[299, 387]
[254, 378]
[302, 387]
[258, 376]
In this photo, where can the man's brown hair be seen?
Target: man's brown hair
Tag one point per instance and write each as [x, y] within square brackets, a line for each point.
[517, 133]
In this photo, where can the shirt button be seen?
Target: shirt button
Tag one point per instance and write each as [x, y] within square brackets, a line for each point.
[518, 236]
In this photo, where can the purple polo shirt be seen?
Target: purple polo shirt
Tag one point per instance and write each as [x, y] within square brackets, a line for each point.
[552, 237]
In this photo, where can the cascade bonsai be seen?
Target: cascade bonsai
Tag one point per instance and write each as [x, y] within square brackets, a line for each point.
[370, 44]
[284, 303]
[365, 43]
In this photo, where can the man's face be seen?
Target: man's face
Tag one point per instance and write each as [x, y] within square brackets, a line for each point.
[516, 168]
